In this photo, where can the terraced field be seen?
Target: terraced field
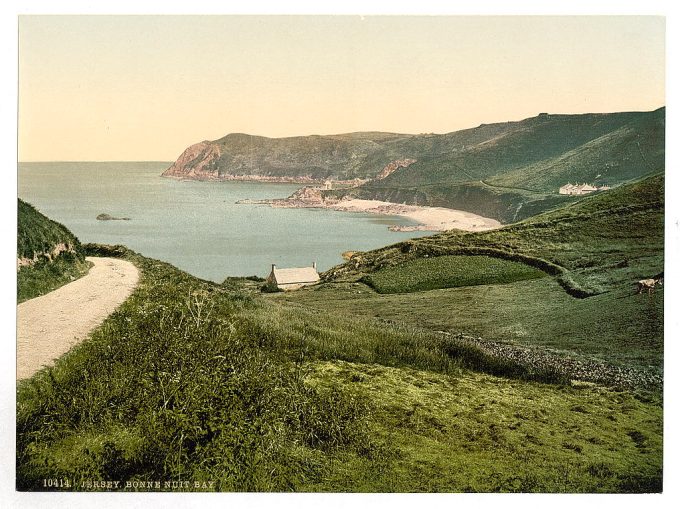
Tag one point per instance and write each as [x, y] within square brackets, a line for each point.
[449, 272]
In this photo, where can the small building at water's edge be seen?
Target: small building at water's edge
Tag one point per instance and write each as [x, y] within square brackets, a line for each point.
[293, 278]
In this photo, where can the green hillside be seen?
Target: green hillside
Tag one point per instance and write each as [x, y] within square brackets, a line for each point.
[54, 253]
[626, 153]
[595, 250]
[508, 171]
[236, 391]
[518, 173]
[461, 158]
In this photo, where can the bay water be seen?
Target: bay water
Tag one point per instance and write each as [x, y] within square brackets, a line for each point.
[197, 226]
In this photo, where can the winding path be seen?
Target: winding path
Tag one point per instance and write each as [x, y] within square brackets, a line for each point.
[50, 325]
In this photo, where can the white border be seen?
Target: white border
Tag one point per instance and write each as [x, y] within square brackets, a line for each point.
[9, 10]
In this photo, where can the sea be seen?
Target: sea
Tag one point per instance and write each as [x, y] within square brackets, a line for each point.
[198, 226]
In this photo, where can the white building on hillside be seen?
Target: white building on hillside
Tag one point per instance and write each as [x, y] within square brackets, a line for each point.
[578, 189]
[293, 278]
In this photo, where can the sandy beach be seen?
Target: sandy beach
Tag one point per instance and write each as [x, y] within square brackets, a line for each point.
[434, 219]
[429, 218]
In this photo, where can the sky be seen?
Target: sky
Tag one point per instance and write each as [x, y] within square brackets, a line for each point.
[146, 87]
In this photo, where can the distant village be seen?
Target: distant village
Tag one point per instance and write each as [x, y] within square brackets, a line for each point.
[581, 189]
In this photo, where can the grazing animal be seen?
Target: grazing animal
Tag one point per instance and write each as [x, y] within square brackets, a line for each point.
[648, 285]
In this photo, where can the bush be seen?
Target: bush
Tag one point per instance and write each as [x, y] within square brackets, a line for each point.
[270, 287]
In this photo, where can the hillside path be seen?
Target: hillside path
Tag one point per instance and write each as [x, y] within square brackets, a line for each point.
[50, 325]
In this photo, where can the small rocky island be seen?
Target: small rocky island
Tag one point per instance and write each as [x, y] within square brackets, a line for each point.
[108, 217]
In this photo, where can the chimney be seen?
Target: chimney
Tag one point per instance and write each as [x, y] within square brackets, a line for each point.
[314, 265]
[273, 267]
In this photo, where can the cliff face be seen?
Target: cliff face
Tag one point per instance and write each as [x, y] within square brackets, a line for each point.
[394, 166]
[199, 161]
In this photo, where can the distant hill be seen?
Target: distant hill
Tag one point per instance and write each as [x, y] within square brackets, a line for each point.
[340, 157]
[507, 171]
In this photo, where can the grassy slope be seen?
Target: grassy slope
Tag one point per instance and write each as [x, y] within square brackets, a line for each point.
[190, 380]
[44, 276]
[37, 235]
[475, 433]
[173, 387]
[624, 154]
[515, 172]
[605, 242]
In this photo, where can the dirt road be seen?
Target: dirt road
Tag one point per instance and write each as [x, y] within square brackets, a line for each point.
[50, 325]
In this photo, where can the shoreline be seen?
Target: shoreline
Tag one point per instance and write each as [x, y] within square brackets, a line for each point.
[435, 219]
[269, 179]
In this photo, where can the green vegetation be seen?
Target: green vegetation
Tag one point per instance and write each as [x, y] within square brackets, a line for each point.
[512, 171]
[601, 240]
[478, 433]
[55, 254]
[510, 384]
[45, 276]
[173, 387]
[190, 381]
[601, 245]
[617, 328]
[38, 235]
[424, 274]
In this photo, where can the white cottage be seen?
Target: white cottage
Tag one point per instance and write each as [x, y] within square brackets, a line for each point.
[293, 278]
[580, 189]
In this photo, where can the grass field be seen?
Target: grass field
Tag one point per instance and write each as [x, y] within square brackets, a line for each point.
[479, 433]
[601, 241]
[45, 276]
[449, 272]
[617, 327]
[191, 381]
[602, 244]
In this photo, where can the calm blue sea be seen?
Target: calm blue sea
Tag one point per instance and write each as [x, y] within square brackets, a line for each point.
[197, 226]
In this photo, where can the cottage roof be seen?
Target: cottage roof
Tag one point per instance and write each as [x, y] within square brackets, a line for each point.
[296, 275]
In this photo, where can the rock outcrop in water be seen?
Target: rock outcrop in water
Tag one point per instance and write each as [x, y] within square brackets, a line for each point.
[108, 217]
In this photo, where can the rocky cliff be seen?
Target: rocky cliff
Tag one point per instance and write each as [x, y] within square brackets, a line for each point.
[199, 161]
[305, 159]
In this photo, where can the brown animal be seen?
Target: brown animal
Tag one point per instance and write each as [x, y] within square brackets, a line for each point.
[648, 285]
